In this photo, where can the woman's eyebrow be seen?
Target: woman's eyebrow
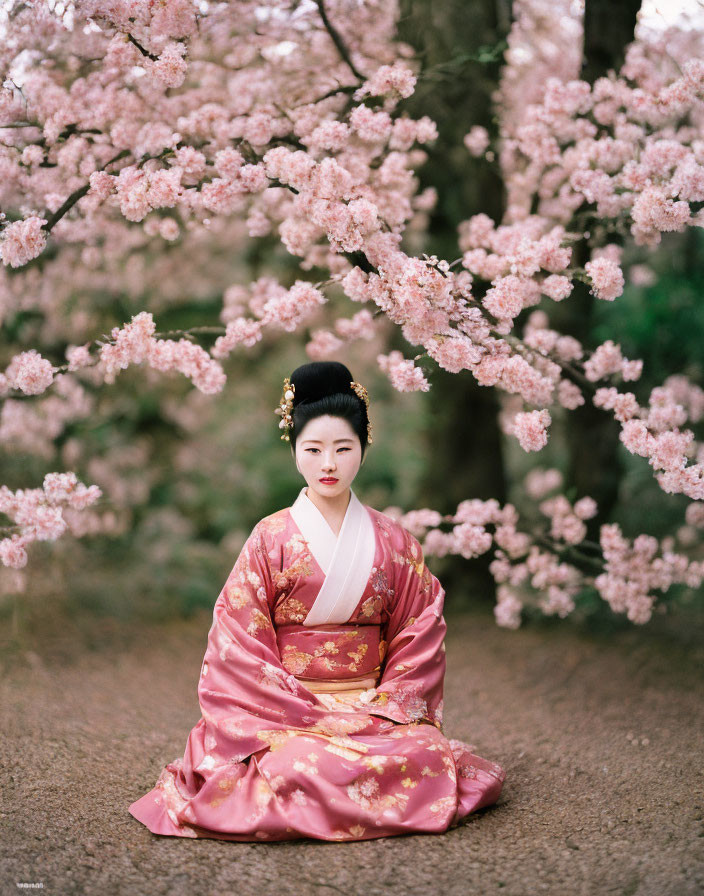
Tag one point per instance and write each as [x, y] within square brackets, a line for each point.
[318, 442]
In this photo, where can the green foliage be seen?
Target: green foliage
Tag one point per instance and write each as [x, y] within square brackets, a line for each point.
[662, 323]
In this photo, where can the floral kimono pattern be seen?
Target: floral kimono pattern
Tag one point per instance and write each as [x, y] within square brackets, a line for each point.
[327, 730]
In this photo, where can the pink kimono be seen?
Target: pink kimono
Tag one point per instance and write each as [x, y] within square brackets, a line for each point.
[321, 694]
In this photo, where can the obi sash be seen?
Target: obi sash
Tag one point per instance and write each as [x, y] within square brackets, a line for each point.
[346, 558]
[341, 660]
[339, 653]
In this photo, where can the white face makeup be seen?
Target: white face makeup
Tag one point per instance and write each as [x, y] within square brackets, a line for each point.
[328, 446]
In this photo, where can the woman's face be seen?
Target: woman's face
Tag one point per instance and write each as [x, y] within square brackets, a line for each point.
[327, 446]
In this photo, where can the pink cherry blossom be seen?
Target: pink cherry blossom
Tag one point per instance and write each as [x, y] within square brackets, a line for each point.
[539, 481]
[299, 303]
[170, 68]
[323, 344]
[240, 331]
[508, 608]
[403, 374]
[22, 240]
[530, 428]
[606, 278]
[397, 77]
[131, 345]
[78, 356]
[30, 372]
[13, 552]
[39, 513]
[476, 140]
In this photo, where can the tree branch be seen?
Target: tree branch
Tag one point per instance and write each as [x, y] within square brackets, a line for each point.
[78, 194]
[337, 40]
[140, 47]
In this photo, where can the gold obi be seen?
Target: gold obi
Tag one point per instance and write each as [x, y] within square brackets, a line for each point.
[342, 690]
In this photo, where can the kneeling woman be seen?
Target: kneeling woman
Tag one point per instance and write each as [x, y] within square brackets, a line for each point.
[322, 682]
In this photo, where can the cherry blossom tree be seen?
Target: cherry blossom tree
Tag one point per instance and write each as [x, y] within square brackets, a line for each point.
[134, 132]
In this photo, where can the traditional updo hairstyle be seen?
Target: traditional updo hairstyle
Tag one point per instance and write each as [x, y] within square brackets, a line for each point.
[323, 387]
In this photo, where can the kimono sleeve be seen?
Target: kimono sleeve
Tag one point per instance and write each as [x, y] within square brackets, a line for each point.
[412, 681]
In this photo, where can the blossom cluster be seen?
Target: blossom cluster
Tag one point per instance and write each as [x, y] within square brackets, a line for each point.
[526, 565]
[39, 513]
[135, 343]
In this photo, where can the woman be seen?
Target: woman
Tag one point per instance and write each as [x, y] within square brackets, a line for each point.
[322, 682]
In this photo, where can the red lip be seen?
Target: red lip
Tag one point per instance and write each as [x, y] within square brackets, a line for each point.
[329, 479]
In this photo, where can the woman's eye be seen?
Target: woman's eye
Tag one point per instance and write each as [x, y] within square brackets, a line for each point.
[339, 449]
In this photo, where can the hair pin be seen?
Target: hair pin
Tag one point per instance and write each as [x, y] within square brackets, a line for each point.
[285, 408]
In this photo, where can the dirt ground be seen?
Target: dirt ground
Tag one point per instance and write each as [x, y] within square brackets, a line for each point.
[601, 736]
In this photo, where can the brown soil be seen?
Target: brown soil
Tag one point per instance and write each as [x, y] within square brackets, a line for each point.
[601, 736]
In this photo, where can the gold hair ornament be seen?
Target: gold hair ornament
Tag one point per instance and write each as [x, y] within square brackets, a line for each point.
[285, 407]
[362, 393]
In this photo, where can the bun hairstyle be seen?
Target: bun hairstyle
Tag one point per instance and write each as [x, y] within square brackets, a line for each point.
[324, 387]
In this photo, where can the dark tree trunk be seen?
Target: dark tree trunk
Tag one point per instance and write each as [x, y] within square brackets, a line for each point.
[594, 466]
[592, 434]
[464, 443]
[608, 29]
[464, 440]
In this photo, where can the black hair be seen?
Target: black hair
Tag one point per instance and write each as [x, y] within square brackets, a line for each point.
[323, 387]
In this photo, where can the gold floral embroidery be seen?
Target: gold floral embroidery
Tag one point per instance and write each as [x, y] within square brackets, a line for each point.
[300, 566]
[291, 610]
[226, 785]
[236, 596]
[371, 606]
[284, 579]
[335, 725]
[377, 763]
[407, 700]
[418, 567]
[344, 752]
[263, 794]
[259, 621]
[294, 660]
[450, 767]
[411, 555]
[358, 655]
[328, 647]
[275, 739]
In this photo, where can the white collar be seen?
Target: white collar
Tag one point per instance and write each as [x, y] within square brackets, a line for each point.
[346, 558]
[322, 540]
